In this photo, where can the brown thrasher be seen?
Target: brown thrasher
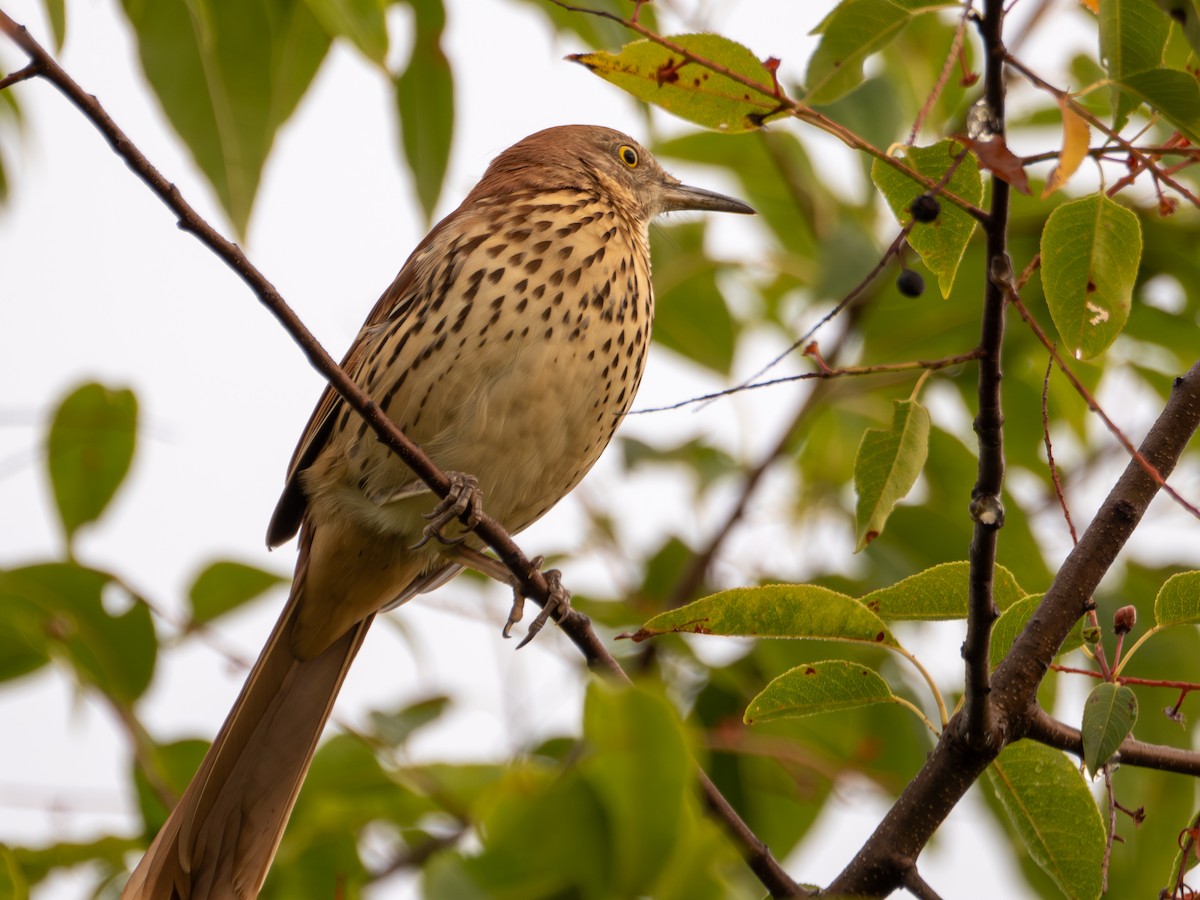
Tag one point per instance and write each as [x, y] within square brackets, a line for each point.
[509, 347]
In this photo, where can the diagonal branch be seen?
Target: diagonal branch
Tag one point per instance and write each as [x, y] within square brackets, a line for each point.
[955, 764]
[575, 624]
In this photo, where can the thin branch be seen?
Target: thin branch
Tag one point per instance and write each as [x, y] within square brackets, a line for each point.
[1185, 686]
[987, 507]
[1058, 488]
[952, 59]
[20, 75]
[575, 624]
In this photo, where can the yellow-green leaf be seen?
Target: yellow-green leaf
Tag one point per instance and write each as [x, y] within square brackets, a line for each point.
[1053, 812]
[1108, 716]
[224, 586]
[887, 466]
[1132, 37]
[425, 101]
[819, 687]
[849, 34]
[362, 22]
[777, 611]
[1178, 600]
[1091, 249]
[663, 77]
[1174, 94]
[942, 242]
[938, 593]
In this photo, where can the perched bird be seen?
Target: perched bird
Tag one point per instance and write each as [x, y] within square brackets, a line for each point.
[509, 347]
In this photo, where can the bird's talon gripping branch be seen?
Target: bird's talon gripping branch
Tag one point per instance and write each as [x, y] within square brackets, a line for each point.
[558, 600]
[464, 501]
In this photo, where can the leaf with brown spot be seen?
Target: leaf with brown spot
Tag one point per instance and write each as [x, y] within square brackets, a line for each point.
[995, 156]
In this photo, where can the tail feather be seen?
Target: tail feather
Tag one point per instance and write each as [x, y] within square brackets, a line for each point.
[219, 841]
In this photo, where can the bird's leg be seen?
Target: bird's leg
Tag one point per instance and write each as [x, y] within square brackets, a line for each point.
[464, 500]
[559, 598]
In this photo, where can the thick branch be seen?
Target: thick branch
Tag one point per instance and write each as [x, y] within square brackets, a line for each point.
[1045, 729]
[955, 763]
[576, 625]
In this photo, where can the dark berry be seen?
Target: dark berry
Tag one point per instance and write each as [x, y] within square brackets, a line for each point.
[910, 283]
[925, 208]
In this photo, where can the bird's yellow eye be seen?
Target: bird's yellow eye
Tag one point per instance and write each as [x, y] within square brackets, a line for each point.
[628, 156]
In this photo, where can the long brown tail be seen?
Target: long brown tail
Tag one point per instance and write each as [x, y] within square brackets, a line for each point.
[219, 841]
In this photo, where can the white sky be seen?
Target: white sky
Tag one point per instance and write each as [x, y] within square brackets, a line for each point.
[97, 283]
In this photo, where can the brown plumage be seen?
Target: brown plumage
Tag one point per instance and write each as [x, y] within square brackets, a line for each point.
[509, 347]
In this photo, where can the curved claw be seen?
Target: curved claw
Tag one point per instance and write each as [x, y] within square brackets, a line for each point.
[463, 501]
[559, 599]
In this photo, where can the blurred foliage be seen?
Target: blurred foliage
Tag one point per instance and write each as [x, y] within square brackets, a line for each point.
[612, 810]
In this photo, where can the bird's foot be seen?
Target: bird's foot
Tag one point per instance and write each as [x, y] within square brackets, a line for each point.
[464, 501]
[559, 599]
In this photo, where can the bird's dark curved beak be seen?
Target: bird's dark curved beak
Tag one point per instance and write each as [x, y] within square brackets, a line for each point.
[680, 197]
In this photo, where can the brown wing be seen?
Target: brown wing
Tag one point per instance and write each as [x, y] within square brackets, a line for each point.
[289, 511]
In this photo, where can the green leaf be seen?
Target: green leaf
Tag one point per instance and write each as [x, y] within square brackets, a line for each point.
[1174, 94]
[361, 21]
[938, 593]
[1013, 621]
[12, 880]
[56, 12]
[887, 466]
[819, 687]
[1090, 254]
[1052, 810]
[89, 449]
[942, 242]
[1132, 37]
[425, 101]
[1108, 716]
[1178, 600]
[395, 728]
[223, 586]
[228, 74]
[849, 34]
[63, 613]
[690, 313]
[660, 76]
[1185, 13]
[1186, 858]
[776, 610]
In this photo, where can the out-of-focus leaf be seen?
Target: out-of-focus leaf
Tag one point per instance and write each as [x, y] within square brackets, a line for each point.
[1074, 148]
[172, 767]
[13, 882]
[663, 77]
[849, 34]
[33, 866]
[1108, 717]
[938, 593]
[690, 313]
[395, 728]
[706, 462]
[89, 449]
[56, 12]
[362, 22]
[887, 466]
[1012, 622]
[224, 586]
[425, 99]
[1174, 94]
[595, 31]
[819, 687]
[1185, 13]
[1132, 37]
[939, 243]
[1052, 810]
[776, 610]
[228, 74]
[1090, 253]
[63, 612]
[1178, 601]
